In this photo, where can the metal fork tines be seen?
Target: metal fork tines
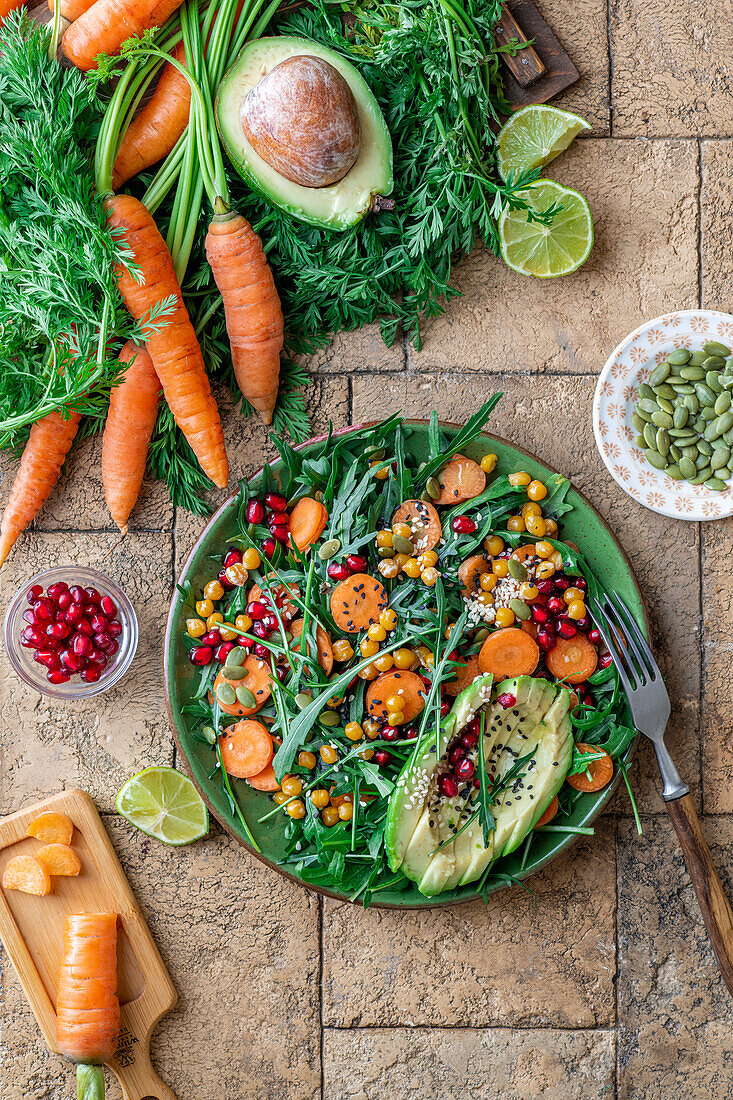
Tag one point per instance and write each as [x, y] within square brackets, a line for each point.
[641, 680]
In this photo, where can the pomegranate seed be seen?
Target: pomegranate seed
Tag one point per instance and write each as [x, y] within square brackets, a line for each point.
[102, 639]
[282, 672]
[55, 590]
[544, 587]
[605, 660]
[352, 683]
[546, 639]
[255, 610]
[506, 700]
[64, 601]
[255, 511]
[588, 699]
[465, 769]
[58, 676]
[30, 616]
[594, 636]
[245, 643]
[221, 653]
[44, 609]
[91, 673]
[477, 782]
[81, 645]
[456, 753]
[584, 623]
[59, 617]
[469, 740]
[224, 580]
[211, 637]
[389, 733]
[445, 708]
[280, 534]
[98, 657]
[260, 650]
[339, 572]
[108, 606]
[58, 630]
[115, 628]
[411, 733]
[539, 614]
[92, 596]
[426, 681]
[74, 612]
[276, 501]
[561, 583]
[446, 784]
[260, 630]
[268, 547]
[84, 626]
[99, 622]
[382, 757]
[556, 605]
[70, 661]
[34, 592]
[270, 621]
[232, 557]
[31, 638]
[77, 593]
[566, 629]
[201, 655]
[357, 563]
[463, 525]
[278, 519]
[48, 658]
[581, 583]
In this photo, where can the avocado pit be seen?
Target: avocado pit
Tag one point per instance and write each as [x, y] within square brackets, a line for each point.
[302, 119]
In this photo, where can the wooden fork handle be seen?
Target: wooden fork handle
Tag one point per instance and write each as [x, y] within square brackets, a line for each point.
[714, 905]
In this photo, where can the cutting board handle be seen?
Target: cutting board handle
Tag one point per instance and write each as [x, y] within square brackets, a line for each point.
[139, 1081]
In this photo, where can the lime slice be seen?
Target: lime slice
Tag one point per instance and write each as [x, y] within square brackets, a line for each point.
[165, 804]
[534, 136]
[546, 251]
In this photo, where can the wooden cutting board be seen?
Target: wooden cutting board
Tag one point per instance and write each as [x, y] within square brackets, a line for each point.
[31, 931]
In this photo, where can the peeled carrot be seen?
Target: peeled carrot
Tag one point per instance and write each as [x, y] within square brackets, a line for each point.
[27, 874]
[356, 603]
[427, 529]
[246, 749]
[460, 479]
[6, 6]
[323, 645]
[462, 675]
[599, 773]
[509, 652]
[307, 522]
[87, 1008]
[549, 813]
[407, 686]
[72, 9]
[525, 553]
[252, 307]
[51, 828]
[174, 349]
[265, 780]
[59, 859]
[133, 410]
[572, 659]
[470, 570]
[109, 23]
[40, 467]
[157, 127]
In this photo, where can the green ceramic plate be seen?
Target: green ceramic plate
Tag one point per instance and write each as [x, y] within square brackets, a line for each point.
[583, 526]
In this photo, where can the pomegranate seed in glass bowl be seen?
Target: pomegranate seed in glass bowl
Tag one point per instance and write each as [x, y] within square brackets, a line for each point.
[59, 654]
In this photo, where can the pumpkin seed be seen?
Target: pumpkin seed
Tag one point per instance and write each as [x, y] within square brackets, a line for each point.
[638, 422]
[329, 549]
[714, 362]
[728, 437]
[517, 570]
[665, 391]
[646, 391]
[681, 416]
[236, 672]
[714, 347]
[692, 374]
[718, 443]
[704, 394]
[723, 402]
[702, 476]
[665, 405]
[682, 433]
[678, 357]
[720, 458]
[639, 441]
[713, 380]
[330, 719]
[655, 459]
[659, 374]
[481, 635]
[520, 609]
[715, 483]
[646, 405]
[662, 441]
[698, 358]
[236, 657]
[699, 424]
[645, 417]
[692, 403]
[209, 733]
[302, 699]
[675, 452]
[707, 415]
[729, 365]
[683, 388]
[246, 697]
[688, 468]
[724, 423]
[226, 695]
[674, 472]
[702, 461]
[662, 419]
[432, 487]
[727, 381]
[690, 452]
[375, 452]
[650, 435]
[385, 552]
[402, 545]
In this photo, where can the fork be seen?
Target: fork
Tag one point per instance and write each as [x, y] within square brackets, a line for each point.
[650, 708]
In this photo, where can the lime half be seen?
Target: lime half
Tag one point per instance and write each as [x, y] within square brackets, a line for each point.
[165, 804]
[546, 251]
[534, 136]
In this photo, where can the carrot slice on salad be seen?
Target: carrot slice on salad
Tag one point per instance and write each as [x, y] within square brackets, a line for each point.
[509, 652]
[257, 680]
[51, 828]
[599, 774]
[572, 659]
[549, 813]
[27, 874]
[460, 479]
[265, 780]
[356, 603]
[406, 686]
[470, 570]
[246, 749]
[280, 592]
[525, 553]
[463, 675]
[421, 516]
[59, 859]
[323, 644]
[308, 520]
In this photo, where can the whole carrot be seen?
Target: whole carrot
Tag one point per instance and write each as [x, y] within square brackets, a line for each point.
[108, 23]
[157, 127]
[87, 1007]
[40, 467]
[6, 6]
[174, 350]
[71, 9]
[133, 410]
[252, 307]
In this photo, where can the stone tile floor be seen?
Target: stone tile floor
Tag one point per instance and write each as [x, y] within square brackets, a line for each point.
[606, 987]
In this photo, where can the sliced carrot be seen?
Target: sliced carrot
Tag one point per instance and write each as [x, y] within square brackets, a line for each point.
[307, 522]
[51, 828]
[246, 749]
[265, 780]
[525, 553]
[600, 772]
[572, 659]
[28, 875]
[287, 608]
[530, 628]
[463, 675]
[470, 570]
[356, 603]
[549, 813]
[509, 652]
[460, 479]
[323, 644]
[59, 859]
[407, 685]
[257, 680]
[421, 516]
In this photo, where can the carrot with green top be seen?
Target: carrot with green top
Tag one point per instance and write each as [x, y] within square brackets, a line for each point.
[108, 23]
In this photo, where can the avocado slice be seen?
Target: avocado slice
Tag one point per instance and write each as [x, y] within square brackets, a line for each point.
[338, 205]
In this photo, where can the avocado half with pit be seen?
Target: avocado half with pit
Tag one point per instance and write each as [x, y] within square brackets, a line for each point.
[302, 127]
[438, 841]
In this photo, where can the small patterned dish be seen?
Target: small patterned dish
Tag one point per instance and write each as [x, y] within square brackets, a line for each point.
[616, 394]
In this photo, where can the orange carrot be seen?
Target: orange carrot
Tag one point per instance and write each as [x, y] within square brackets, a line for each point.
[109, 23]
[174, 350]
[246, 749]
[72, 9]
[27, 874]
[51, 828]
[87, 1008]
[265, 780]
[257, 680]
[460, 479]
[253, 312]
[6, 6]
[572, 659]
[599, 773]
[427, 529]
[59, 859]
[470, 570]
[40, 467]
[462, 675]
[133, 410]
[323, 645]
[157, 127]
[509, 652]
[356, 603]
[407, 686]
[307, 522]
[549, 813]
[525, 553]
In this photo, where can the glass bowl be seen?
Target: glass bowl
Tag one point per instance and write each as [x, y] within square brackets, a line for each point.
[34, 673]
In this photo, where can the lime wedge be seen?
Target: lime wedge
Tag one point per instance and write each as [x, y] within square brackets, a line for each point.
[534, 136]
[165, 804]
[546, 251]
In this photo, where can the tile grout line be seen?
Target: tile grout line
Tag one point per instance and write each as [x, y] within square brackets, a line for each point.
[700, 526]
[617, 1028]
[412, 1028]
[322, 1030]
[174, 549]
[609, 48]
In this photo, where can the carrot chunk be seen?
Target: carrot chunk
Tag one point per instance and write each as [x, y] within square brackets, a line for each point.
[548, 814]
[28, 875]
[265, 780]
[421, 516]
[408, 686]
[599, 775]
[463, 675]
[59, 859]
[470, 570]
[509, 652]
[525, 553]
[307, 522]
[246, 749]
[279, 592]
[460, 479]
[257, 680]
[572, 659]
[51, 828]
[323, 644]
[356, 603]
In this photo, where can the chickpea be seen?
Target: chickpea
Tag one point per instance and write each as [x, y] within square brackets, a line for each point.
[354, 731]
[329, 815]
[388, 618]
[251, 558]
[343, 650]
[519, 478]
[291, 784]
[329, 755]
[536, 490]
[488, 463]
[319, 797]
[195, 628]
[204, 608]
[307, 760]
[296, 809]
[213, 590]
[346, 811]
[377, 633]
[368, 647]
[494, 545]
[500, 567]
[403, 658]
[384, 538]
[385, 662]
